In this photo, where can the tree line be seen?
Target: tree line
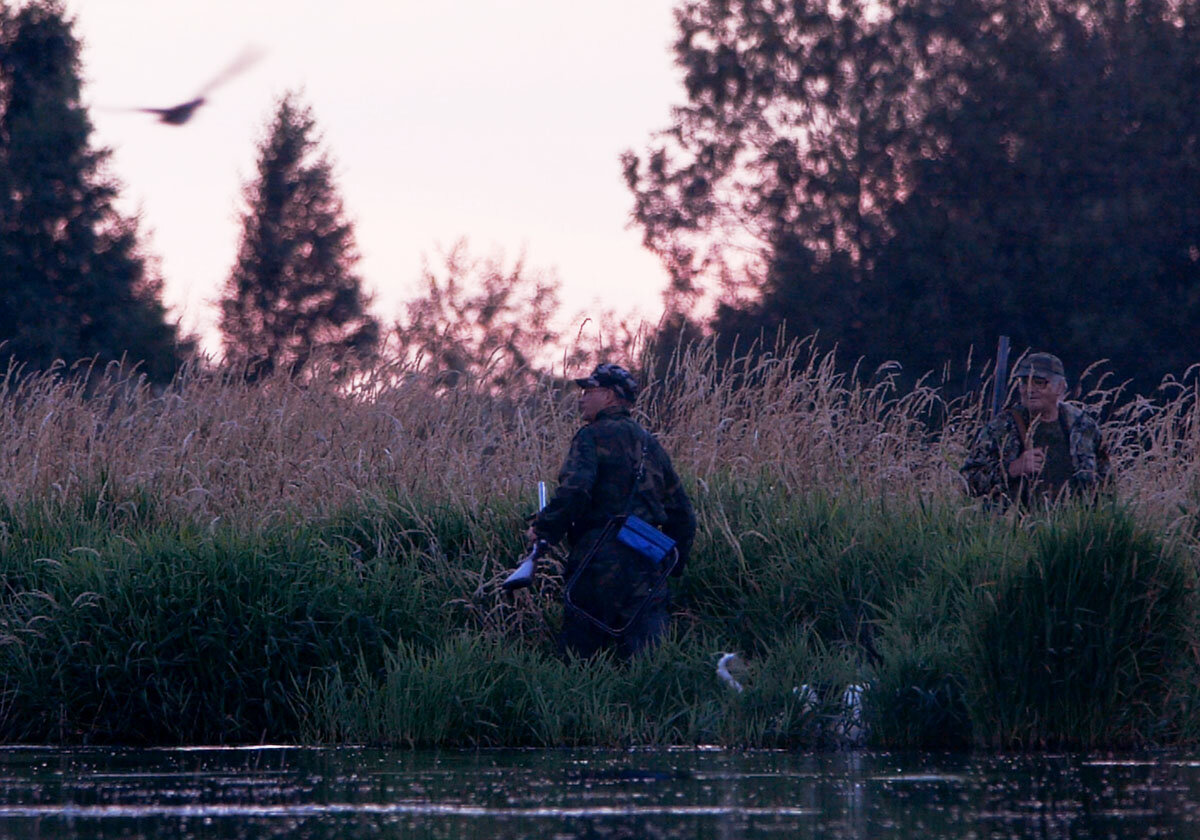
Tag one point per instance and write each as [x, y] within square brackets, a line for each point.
[910, 178]
[906, 179]
[78, 284]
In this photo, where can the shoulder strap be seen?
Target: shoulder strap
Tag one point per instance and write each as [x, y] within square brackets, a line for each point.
[639, 473]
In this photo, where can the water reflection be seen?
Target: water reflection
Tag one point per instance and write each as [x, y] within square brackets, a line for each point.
[352, 793]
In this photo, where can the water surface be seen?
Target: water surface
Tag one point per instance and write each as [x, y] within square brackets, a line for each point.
[360, 793]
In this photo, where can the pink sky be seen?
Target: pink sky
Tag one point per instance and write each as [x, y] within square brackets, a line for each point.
[501, 122]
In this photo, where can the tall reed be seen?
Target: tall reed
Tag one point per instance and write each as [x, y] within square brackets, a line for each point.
[210, 447]
[220, 561]
[1080, 645]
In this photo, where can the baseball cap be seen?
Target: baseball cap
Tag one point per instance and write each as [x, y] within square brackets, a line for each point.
[1039, 364]
[615, 377]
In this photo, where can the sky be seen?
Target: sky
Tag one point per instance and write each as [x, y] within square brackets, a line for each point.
[496, 121]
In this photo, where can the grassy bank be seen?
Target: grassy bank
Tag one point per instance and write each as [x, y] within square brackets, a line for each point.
[222, 563]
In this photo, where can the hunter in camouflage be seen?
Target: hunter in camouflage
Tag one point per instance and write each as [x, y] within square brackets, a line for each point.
[595, 484]
[1033, 452]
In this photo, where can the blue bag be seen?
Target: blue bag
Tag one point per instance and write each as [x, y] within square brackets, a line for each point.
[645, 539]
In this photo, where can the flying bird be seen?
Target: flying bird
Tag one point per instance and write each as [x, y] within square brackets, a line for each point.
[181, 113]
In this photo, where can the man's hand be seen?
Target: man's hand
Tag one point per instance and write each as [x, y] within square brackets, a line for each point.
[1030, 462]
[531, 535]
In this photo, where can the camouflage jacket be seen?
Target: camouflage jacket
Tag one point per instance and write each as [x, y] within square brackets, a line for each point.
[999, 443]
[597, 478]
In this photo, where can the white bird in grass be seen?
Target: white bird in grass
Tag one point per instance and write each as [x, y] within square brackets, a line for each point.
[723, 664]
[851, 726]
[848, 726]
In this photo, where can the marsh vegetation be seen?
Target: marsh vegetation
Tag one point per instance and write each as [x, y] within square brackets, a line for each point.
[304, 561]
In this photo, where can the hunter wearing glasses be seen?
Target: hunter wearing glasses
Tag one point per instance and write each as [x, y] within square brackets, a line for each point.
[1038, 450]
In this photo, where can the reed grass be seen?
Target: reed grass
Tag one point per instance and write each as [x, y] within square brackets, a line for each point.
[220, 562]
[1078, 646]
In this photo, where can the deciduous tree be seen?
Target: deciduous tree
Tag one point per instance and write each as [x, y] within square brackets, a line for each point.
[912, 177]
[480, 320]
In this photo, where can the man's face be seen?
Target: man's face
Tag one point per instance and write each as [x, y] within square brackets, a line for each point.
[1041, 394]
[594, 400]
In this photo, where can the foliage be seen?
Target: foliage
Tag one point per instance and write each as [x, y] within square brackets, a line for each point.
[293, 293]
[1063, 209]
[1080, 645]
[178, 637]
[911, 179]
[74, 282]
[385, 624]
[481, 321]
[323, 561]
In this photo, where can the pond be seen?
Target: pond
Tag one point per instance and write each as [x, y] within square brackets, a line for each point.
[359, 793]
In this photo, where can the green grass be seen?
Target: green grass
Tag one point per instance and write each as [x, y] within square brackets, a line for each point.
[315, 560]
[383, 623]
[1079, 644]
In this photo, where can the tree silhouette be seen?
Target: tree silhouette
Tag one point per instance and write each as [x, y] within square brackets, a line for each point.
[913, 177]
[1065, 208]
[73, 281]
[798, 115]
[480, 321]
[293, 294]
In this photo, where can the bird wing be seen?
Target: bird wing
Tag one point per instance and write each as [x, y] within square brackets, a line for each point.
[244, 60]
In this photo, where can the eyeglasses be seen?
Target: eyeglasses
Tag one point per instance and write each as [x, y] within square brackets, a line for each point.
[1035, 381]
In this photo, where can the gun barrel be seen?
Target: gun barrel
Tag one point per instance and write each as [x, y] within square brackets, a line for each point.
[1000, 386]
[541, 494]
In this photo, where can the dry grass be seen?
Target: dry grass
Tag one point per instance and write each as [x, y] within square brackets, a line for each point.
[207, 448]
[284, 531]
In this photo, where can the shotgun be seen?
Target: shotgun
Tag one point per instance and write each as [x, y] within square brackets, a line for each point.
[1000, 386]
[523, 576]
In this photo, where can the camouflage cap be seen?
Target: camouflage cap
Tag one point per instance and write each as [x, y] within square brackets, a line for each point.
[1039, 364]
[614, 377]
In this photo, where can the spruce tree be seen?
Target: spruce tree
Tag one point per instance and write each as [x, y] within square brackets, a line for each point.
[293, 295]
[74, 283]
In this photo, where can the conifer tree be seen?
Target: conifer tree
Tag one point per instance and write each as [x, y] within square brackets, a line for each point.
[74, 283]
[293, 294]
